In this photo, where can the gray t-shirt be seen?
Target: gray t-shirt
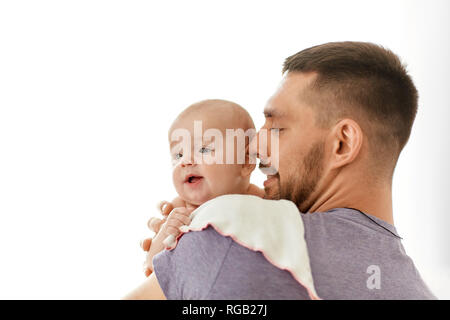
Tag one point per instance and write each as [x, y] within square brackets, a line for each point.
[352, 256]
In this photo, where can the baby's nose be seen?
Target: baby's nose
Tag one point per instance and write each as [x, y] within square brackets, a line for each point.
[187, 161]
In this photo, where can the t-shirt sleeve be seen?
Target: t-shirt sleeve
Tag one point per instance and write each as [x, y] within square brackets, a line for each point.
[190, 270]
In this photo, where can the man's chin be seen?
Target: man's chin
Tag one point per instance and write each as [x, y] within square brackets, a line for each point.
[271, 193]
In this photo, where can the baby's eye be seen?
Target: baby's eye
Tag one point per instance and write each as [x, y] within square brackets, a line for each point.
[205, 150]
[178, 156]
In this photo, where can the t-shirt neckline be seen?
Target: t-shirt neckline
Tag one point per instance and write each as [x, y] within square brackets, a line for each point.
[384, 224]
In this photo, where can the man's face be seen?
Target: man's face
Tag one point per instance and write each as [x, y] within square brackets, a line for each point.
[300, 155]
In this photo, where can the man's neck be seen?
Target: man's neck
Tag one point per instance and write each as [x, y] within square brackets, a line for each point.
[372, 200]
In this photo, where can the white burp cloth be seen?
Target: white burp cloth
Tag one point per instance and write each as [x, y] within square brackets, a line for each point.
[273, 227]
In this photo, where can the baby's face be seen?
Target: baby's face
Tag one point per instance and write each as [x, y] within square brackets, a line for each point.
[196, 178]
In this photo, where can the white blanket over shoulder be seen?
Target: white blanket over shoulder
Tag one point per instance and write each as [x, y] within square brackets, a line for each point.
[273, 227]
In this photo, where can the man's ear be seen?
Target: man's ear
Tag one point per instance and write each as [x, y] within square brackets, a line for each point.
[250, 163]
[347, 138]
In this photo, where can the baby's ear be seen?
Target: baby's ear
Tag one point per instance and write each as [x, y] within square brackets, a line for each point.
[250, 163]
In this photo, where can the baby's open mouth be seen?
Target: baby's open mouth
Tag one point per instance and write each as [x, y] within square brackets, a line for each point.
[192, 179]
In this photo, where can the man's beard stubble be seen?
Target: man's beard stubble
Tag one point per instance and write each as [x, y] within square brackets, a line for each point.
[298, 189]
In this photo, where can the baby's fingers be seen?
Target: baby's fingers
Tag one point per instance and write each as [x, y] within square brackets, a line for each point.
[147, 272]
[173, 230]
[169, 241]
[146, 243]
[180, 218]
[165, 207]
[154, 224]
[177, 219]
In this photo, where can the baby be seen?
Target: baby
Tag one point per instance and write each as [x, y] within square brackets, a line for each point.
[204, 165]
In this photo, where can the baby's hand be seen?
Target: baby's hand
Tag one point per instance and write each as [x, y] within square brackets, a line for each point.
[170, 228]
[178, 217]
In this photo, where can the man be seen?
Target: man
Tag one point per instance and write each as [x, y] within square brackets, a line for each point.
[344, 111]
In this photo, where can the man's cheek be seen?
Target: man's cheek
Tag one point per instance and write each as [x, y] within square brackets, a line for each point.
[281, 164]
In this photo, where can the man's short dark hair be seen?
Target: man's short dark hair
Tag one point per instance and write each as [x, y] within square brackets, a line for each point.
[359, 78]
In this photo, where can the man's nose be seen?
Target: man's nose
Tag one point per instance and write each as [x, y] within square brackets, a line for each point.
[253, 146]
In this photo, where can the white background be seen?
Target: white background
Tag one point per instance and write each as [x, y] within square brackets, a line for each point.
[88, 90]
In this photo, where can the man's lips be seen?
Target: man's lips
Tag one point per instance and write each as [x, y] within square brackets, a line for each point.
[268, 170]
[270, 180]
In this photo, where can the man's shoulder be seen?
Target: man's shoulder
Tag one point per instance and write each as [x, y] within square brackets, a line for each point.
[232, 270]
[357, 256]
[353, 220]
[208, 237]
[188, 271]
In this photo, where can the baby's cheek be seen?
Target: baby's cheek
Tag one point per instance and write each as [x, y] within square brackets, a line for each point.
[176, 179]
[222, 179]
